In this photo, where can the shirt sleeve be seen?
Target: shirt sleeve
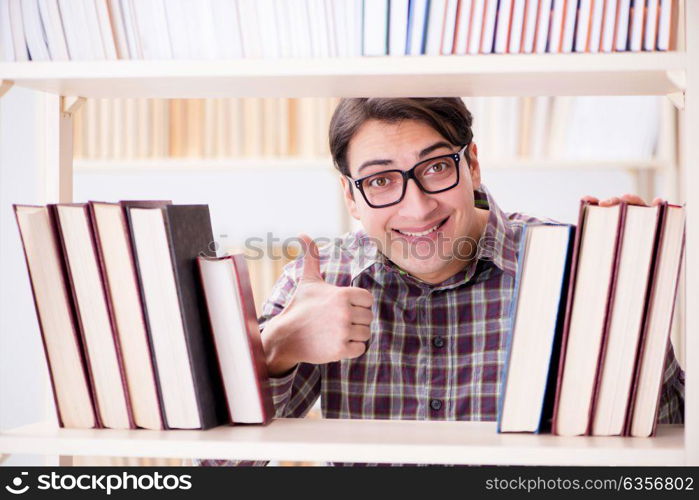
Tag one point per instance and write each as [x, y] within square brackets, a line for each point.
[671, 405]
[294, 393]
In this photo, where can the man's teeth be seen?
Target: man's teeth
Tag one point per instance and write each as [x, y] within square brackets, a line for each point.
[423, 233]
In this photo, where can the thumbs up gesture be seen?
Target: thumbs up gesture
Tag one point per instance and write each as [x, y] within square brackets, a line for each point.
[321, 323]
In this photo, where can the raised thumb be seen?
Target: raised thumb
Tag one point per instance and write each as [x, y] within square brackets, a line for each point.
[311, 262]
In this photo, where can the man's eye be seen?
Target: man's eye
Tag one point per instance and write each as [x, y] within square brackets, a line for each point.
[439, 167]
[379, 182]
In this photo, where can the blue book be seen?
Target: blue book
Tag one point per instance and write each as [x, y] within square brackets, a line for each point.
[537, 313]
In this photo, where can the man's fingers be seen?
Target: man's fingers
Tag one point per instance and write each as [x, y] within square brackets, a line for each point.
[657, 201]
[360, 297]
[590, 199]
[355, 349]
[361, 316]
[311, 261]
[634, 199]
[360, 333]
[609, 202]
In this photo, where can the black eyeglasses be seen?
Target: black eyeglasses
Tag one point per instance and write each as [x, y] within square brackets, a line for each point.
[432, 176]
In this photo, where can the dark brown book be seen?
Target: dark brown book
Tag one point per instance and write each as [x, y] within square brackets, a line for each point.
[118, 268]
[55, 312]
[166, 242]
[587, 315]
[102, 347]
[241, 358]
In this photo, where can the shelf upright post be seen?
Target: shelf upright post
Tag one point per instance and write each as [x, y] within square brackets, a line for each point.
[691, 182]
[57, 167]
[58, 147]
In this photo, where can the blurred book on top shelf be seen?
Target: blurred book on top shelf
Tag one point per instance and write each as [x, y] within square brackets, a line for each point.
[575, 129]
[270, 29]
[129, 129]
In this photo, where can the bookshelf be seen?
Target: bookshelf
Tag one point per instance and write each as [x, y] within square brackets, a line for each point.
[673, 74]
[355, 441]
[650, 73]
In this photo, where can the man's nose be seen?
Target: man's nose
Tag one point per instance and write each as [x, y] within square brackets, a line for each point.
[416, 203]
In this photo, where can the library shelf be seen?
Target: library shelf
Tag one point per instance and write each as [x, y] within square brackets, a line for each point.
[651, 73]
[372, 441]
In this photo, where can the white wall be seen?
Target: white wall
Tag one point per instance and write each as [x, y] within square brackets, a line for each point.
[23, 373]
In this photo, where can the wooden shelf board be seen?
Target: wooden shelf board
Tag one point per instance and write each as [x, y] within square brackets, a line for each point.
[649, 73]
[354, 441]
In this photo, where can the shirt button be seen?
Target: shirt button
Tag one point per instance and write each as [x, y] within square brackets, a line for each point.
[438, 342]
[436, 404]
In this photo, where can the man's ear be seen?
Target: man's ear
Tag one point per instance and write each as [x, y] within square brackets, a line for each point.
[348, 195]
[474, 166]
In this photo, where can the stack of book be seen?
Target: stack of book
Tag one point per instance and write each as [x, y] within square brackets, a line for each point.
[60, 30]
[590, 322]
[134, 334]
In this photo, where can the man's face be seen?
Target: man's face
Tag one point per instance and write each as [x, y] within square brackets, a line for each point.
[431, 257]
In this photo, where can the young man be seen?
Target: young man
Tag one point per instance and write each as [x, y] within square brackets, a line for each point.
[407, 317]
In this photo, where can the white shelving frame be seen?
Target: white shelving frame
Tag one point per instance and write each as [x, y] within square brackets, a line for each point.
[673, 74]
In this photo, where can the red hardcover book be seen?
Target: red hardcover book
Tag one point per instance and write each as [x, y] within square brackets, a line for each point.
[236, 333]
[118, 268]
[102, 347]
[55, 312]
[597, 243]
[662, 294]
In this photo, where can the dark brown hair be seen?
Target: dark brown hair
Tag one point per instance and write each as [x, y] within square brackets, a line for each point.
[447, 115]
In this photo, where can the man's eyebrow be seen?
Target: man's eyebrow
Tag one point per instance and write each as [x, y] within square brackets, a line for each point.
[436, 145]
[422, 154]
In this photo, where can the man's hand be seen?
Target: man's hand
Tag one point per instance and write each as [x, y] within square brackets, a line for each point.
[628, 198]
[321, 323]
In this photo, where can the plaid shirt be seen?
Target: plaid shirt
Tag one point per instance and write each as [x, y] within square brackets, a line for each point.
[436, 351]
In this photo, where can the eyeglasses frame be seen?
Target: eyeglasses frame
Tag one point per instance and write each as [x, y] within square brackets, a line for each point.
[410, 174]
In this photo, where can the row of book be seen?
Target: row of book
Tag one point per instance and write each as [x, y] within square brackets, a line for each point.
[127, 129]
[591, 320]
[59, 30]
[505, 128]
[440, 27]
[143, 326]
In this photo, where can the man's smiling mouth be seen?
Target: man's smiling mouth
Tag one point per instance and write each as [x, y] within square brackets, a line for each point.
[422, 233]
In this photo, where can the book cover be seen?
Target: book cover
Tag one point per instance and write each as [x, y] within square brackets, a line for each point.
[600, 312]
[631, 277]
[231, 308]
[549, 329]
[655, 339]
[72, 393]
[118, 267]
[102, 347]
[167, 241]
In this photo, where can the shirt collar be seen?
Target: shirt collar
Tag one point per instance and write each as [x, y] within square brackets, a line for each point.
[497, 243]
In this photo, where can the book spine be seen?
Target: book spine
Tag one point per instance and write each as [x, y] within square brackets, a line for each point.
[254, 340]
[648, 301]
[132, 243]
[568, 311]
[73, 316]
[58, 234]
[97, 249]
[607, 314]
